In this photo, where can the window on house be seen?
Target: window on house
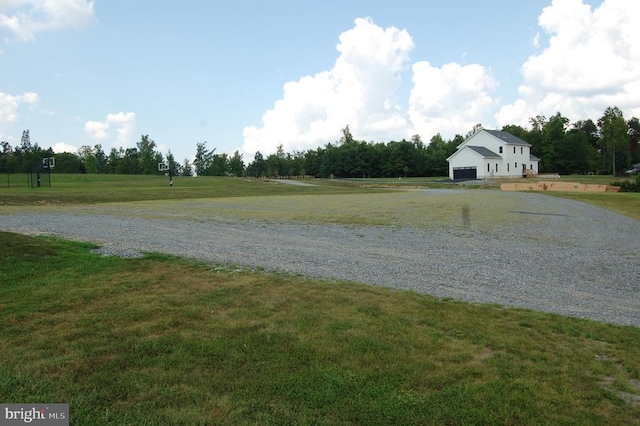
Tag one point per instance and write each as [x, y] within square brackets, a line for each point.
[514, 149]
[488, 170]
[507, 167]
[516, 165]
[500, 150]
[496, 167]
[521, 150]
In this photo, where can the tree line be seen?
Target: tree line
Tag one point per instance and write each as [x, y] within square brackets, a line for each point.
[608, 145]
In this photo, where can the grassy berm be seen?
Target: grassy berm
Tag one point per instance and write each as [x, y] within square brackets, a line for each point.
[165, 341]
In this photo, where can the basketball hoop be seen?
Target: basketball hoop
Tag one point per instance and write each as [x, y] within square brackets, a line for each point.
[163, 167]
[48, 163]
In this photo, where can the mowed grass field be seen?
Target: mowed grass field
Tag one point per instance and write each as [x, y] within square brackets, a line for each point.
[69, 189]
[163, 340]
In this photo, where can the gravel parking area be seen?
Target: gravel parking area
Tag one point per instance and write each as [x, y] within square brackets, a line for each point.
[557, 256]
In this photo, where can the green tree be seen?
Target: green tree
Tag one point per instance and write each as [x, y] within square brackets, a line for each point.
[130, 163]
[147, 156]
[634, 140]
[68, 162]
[174, 167]
[203, 158]
[187, 168]
[274, 165]
[258, 167]
[536, 139]
[114, 159]
[219, 165]
[436, 157]
[476, 128]
[554, 151]
[591, 130]
[329, 166]
[312, 161]
[236, 165]
[101, 159]
[91, 164]
[574, 154]
[346, 137]
[88, 158]
[6, 157]
[25, 141]
[614, 140]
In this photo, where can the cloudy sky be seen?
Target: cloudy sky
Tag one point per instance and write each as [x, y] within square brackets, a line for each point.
[251, 75]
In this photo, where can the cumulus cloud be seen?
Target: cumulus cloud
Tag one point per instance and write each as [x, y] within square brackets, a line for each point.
[449, 99]
[592, 61]
[586, 60]
[97, 129]
[359, 91]
[64, 147]
[123, 124]
[9, 105]
[22, 19]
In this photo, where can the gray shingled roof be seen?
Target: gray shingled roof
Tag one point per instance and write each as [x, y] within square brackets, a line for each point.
[486, 153]
[507, 137]
[533, 157]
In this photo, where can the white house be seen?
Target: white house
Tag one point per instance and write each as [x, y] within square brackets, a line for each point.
[492, 153]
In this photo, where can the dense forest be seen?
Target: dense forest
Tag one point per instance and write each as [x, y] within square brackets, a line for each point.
[607, 146]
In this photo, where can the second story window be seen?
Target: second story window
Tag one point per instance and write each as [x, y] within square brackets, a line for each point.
[500, 150]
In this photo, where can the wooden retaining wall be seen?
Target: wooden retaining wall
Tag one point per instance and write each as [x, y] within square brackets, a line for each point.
[557, 186]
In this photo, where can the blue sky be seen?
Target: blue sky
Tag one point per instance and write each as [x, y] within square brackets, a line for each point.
[250, 76]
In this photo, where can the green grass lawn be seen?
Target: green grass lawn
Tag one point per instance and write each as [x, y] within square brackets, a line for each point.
[164, 341]
[73, 190]
[625, 203]
[67, 189]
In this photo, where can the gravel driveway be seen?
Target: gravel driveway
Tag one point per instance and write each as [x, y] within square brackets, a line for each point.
[562, 256]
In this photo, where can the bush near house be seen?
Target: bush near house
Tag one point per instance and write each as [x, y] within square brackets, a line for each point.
[628, 185]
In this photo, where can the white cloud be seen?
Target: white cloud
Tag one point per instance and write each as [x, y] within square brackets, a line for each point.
[97, 129]
[586, 59]
[64, 147]
[450, 99]
[123, 123]
[24, 18]
[9, 105]
[536, 41]
[592, 61]
[359, 91]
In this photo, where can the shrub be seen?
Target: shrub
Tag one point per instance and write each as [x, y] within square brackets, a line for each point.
[629, 186]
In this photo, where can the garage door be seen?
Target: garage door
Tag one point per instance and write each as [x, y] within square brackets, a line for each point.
[460, 173]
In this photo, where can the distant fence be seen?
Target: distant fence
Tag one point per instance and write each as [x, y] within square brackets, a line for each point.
[23, 180]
